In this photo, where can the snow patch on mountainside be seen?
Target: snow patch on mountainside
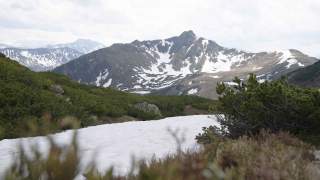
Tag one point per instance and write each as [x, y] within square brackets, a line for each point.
[116, 144]
[141, 92]
[108, 83]
[222, 62]
[162, 73]
[162, 66]
[193, 91]
[230, 83]
[25, 53]
[289, 58]
[164, 57]
[256, 68]
[205, 43]
[215, 76]
[102, 76]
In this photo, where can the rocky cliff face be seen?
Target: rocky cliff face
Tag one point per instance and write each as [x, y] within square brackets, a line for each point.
[185, 64]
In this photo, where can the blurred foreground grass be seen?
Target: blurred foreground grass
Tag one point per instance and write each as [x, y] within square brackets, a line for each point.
[265, 156]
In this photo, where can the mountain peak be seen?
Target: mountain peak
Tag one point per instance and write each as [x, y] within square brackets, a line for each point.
[84, 41]
[188, 34]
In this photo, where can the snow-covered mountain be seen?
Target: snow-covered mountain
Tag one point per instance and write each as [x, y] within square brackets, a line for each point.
[185, 64]
[82, 45]
[108, 146]
[41, 59]
[47, 58]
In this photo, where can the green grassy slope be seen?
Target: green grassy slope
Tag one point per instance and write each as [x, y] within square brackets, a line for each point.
[26, 96]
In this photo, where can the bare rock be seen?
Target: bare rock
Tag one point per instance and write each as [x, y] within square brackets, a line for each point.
[57, 89]
[148, 108]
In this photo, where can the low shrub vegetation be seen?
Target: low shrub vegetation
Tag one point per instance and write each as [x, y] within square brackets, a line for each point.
[46, 98]
[276, 106]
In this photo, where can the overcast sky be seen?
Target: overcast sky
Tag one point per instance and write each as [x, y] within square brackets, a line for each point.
[253, 25]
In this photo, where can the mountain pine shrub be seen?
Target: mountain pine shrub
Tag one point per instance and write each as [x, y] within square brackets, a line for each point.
[28, 97]
[276, 106]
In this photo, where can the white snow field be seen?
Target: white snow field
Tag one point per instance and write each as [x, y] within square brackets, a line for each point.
[116, 144]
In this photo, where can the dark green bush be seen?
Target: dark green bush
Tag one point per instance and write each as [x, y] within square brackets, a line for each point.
[250, 106]
[134, 112]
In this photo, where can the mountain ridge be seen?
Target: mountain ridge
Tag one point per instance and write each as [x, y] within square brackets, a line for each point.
[184, 64]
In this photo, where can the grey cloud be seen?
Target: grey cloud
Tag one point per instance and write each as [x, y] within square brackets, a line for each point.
[245, 24]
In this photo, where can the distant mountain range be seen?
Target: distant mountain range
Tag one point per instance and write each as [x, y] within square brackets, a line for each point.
[82, 45]
[51, 56]
[184, 64]
[41, 59]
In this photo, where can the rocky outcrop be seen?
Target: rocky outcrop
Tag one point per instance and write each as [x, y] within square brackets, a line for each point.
[148, 108]
[317, 155]
[57, 89]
